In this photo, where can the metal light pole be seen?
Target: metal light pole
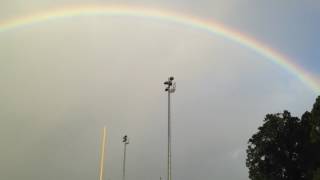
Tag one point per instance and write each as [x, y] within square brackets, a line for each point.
[170, 88]
[125, 140]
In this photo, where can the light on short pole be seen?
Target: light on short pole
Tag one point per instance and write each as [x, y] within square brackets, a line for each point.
[125, 141]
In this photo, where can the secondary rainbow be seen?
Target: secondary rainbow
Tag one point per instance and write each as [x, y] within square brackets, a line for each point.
[162, 15]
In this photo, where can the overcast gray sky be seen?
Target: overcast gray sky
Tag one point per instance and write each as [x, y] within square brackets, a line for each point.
[63, 80]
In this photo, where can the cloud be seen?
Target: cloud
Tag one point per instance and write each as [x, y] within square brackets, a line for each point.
[237, 153]
[62, 81]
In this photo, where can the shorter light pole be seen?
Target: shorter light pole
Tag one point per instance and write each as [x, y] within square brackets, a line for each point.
[125, 141]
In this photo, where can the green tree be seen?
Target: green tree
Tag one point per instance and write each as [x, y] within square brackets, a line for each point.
[286, 147]
[316, 175]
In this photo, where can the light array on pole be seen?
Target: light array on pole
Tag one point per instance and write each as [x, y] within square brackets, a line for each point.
[125, 139]
[171, 86]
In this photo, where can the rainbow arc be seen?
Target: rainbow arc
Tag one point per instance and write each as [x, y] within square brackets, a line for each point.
[162, 15]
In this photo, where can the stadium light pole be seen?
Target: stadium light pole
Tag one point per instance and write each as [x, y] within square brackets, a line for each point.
[170, 88]
[125, 141]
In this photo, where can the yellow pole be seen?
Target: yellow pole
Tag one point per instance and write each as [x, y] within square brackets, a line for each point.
[102, 153]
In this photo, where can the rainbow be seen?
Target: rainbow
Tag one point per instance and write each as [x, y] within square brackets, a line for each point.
[194, 22]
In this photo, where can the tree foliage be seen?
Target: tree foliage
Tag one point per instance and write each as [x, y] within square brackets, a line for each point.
[286, 147]
[316, 175]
